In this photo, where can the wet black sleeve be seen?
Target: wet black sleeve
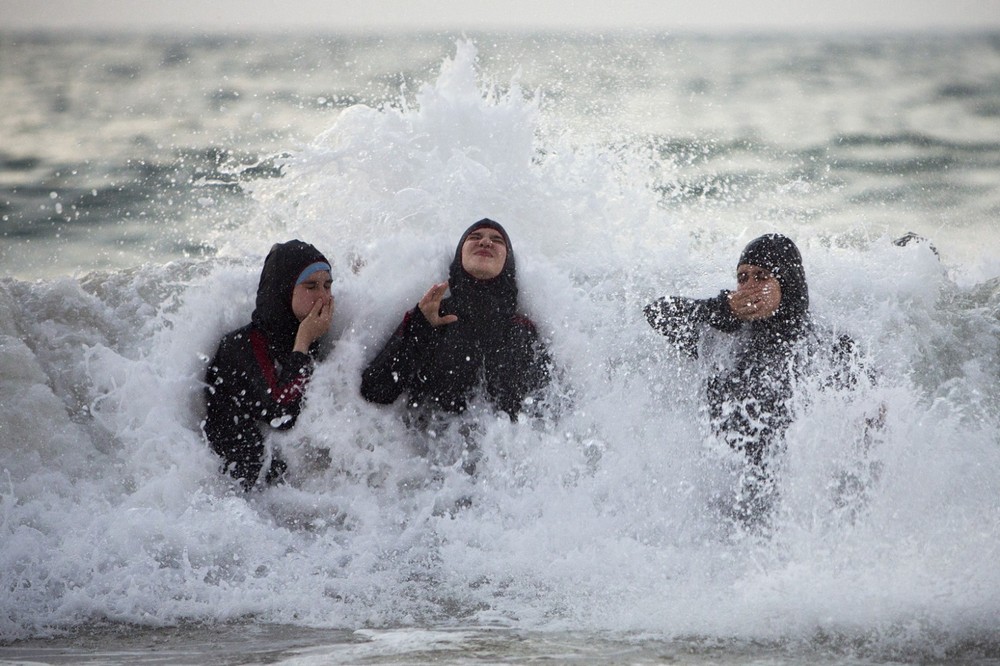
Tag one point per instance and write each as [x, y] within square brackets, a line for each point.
[849, 365]
[242, 396]
[392, 370]
[525, 369]
[243, 386]
[681, 320]
[284, 397]
[229, 398]
[537, 364]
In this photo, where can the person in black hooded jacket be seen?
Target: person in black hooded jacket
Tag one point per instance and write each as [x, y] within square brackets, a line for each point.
[258, 375]
[447, 349]
[772, 337]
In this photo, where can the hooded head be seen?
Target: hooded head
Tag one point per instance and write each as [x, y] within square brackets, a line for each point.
[778, 254]
[501, 291]
[285, 264]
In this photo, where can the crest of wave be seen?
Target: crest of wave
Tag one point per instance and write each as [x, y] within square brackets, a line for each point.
[458, 152]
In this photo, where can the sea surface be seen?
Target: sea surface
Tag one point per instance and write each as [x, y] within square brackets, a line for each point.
[143, 178]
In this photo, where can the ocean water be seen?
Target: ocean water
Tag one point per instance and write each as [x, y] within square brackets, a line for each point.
[144, 177]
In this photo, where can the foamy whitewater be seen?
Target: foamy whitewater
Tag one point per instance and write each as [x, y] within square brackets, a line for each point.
[603, 521]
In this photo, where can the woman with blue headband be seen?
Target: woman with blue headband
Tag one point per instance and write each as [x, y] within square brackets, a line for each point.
[258, 376]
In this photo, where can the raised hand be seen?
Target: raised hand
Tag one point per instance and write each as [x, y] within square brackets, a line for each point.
[749, 305]
[430, 305]
[315, 325]
[757, 295]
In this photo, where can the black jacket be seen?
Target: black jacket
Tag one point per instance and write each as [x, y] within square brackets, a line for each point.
[490, 348]
[749, 392]
[255, 381]
[249, 390]
[441, 368]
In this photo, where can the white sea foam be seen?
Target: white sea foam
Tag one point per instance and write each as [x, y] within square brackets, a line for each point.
[603, 516]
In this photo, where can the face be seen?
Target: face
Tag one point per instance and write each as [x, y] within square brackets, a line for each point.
[315, 287]
[757, 291]
[484, 253]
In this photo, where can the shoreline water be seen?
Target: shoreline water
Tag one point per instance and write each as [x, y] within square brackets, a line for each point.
[457, 645]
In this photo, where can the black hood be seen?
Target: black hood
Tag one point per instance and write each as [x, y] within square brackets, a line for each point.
[282, 267]
[779, 255]
[497, 295]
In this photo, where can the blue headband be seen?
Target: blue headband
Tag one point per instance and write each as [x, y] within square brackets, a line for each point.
[310, 269]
